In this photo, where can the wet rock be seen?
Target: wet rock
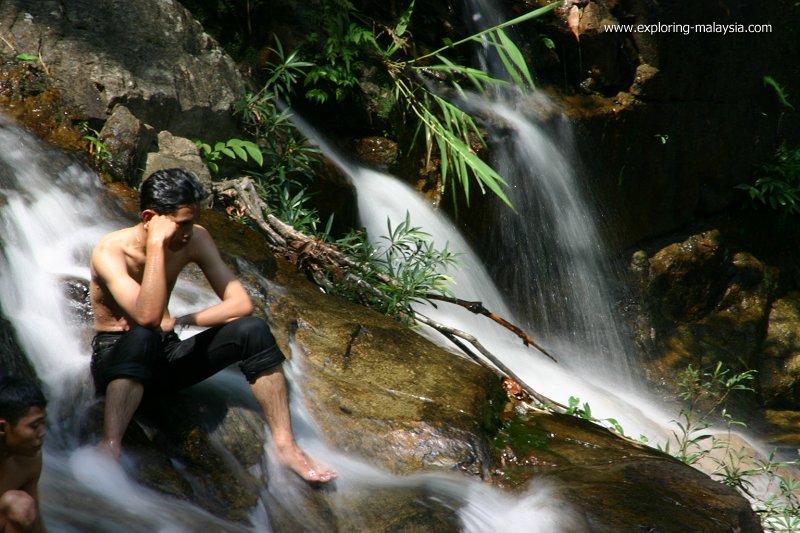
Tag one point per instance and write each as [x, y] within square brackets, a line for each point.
[127, 140]
[705, 305]
[779, 373]
[13, 361]
[378, 389]
[153, 57]
[377, 151]
[684, 279]
[174, 151]
[614, 485]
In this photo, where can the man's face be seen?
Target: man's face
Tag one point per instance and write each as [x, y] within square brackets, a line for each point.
[27, 435]
[184, 217]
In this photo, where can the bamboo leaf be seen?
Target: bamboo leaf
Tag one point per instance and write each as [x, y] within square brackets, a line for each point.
[522, 18]
[507, 64]
[444, 160]
[402, 25]
[515, 55]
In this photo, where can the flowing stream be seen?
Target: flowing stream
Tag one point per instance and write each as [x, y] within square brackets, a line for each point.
[52, 213]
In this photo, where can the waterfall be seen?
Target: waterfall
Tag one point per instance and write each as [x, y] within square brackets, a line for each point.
[561, 280]
[382, 197]
[52, 213]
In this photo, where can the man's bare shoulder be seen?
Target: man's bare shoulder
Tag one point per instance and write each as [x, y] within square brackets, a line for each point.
[112, 243]
[115, 239]
[201, 240]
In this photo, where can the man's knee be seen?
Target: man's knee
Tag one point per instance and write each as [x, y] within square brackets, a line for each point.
[250, 326]
[18, 508]
[260, 351]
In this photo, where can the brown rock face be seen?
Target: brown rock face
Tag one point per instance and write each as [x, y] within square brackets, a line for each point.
[780, 366]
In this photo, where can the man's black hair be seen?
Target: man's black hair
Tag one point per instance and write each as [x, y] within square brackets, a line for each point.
[17, 396]
[165, 191]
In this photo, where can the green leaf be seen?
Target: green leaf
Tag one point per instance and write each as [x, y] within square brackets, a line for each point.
[240, 152]
[402, 25]
[27, 57]
[255, 153]
[515, 55]
[780, 91]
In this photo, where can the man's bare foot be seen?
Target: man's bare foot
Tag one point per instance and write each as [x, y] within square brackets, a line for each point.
[292, 457]
[109, 448]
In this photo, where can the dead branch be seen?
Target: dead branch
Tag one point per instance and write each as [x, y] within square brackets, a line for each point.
[242, 194]
[498, 366]
[323, 262]
[479, 309]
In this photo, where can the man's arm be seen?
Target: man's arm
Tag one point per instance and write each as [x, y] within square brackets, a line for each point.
[32, 488]
[235, 302]
[144, 303]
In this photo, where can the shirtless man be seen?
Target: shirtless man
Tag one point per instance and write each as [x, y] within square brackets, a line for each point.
[136, 350]
[22, 428]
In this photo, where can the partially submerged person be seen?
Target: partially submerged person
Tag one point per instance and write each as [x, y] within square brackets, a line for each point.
[136, 350]
[22, 430]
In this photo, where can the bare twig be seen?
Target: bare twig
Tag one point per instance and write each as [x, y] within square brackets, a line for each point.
[479, 309]
[8, 43]
[323, 261]
[455, 334]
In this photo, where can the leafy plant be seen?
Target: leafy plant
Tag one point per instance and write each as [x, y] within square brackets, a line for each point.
[778, 182]
[98, 151]
[780, 91]
[27, 57]
[232, 148]
[267, 117]
[775, 496]
[425, 89]
[408, 258]
[780, 509]
[288, 199]
[707, 392]
[342, 41]
[446, 126]
[584, 411]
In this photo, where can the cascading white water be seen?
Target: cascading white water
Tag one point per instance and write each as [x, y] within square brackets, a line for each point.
[383, 197]
[51, 215]
[561, 280]
[559, 283]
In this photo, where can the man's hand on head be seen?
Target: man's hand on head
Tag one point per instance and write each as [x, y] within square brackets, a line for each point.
[160, 230]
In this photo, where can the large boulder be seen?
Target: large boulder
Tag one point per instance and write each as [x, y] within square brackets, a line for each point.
[13, 361]
[703, 303]
[153, 57]
[613, 485]
[780, 365]
[385, 394]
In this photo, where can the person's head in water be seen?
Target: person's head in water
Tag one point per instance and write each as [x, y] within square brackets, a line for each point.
[22, 416]
[165, 191]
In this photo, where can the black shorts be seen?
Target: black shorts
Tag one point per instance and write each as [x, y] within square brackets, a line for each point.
[164, 362]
